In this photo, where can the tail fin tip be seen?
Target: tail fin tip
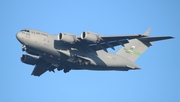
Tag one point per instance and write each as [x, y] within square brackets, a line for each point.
[147, 32]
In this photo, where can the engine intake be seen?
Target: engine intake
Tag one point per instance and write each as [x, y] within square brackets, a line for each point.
[92, 37]
[29, 59]
[65, 37]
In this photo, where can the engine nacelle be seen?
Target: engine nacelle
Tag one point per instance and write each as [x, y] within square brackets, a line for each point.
[32, 53]
[29, 51]
[65, 37]
[92, 37]
[29, 59]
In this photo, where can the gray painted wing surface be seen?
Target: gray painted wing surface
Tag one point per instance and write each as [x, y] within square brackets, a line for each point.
[151, 39]
[41, 67]
[107, 42]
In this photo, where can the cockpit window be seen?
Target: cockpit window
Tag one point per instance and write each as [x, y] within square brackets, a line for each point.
[25, 30]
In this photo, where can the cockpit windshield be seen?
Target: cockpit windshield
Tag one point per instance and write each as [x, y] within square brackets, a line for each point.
[25, 30]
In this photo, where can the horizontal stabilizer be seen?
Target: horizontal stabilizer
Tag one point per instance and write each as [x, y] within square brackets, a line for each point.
[133, 67]
[151, 39]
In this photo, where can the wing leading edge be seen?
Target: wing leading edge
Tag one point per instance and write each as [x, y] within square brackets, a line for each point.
[111, 41]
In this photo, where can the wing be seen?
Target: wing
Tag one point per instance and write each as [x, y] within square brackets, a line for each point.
[107, 42]
[41, 67]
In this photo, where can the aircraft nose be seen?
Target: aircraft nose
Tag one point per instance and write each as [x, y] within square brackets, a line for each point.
[18, 36]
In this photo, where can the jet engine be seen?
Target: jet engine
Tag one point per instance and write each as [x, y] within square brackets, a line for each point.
[65, 37]
[92, 37]
[32, 53]
[29, 59]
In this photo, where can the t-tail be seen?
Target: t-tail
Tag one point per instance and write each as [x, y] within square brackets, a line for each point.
[136, 47]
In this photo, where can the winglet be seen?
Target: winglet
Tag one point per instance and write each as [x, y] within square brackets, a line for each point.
[147, 32]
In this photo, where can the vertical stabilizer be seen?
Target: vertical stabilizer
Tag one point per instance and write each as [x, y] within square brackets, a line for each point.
[147, 32]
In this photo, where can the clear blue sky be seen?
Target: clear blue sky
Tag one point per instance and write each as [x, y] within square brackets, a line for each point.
[158, 81]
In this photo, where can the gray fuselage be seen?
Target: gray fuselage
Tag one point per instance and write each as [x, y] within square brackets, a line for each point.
[57, 52]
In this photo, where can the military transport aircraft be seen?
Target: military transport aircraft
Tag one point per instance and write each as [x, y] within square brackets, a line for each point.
[89, 51]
